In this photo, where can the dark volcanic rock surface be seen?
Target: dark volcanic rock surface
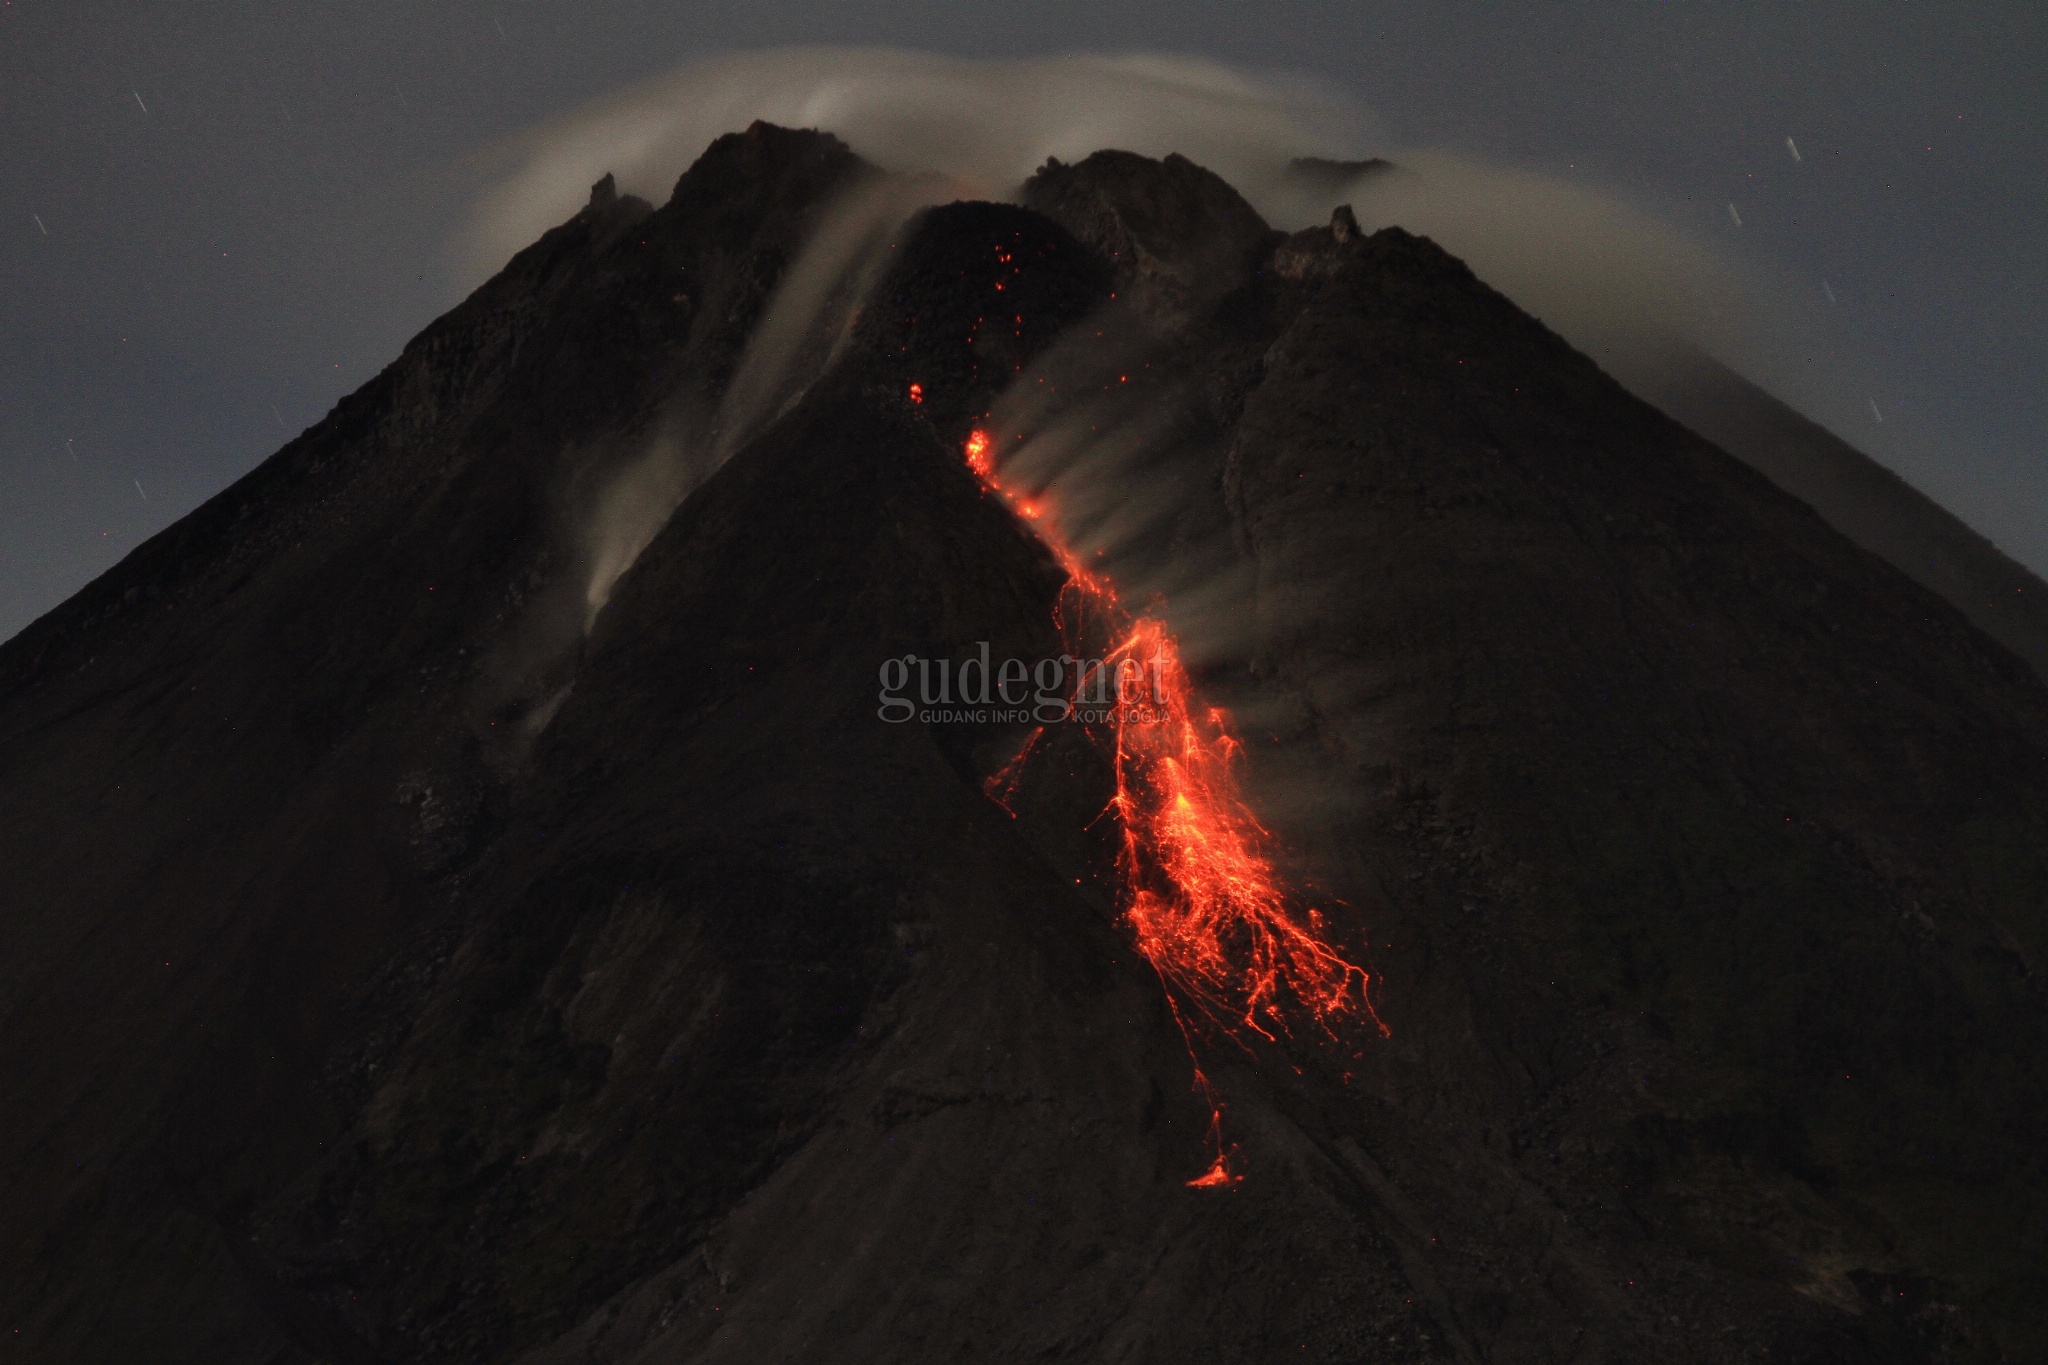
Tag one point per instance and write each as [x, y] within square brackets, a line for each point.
[394, 972]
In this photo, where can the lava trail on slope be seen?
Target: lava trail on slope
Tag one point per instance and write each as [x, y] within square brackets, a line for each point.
[1196, 882]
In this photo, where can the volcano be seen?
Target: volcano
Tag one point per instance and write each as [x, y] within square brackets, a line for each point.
[1539, 890]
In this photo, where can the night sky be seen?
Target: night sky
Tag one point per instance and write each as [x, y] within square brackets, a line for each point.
[216, 219]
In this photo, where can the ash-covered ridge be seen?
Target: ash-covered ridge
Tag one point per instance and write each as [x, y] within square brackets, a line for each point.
[399, 967]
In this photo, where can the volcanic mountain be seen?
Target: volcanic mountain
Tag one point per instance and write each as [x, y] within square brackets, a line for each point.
[467, 896]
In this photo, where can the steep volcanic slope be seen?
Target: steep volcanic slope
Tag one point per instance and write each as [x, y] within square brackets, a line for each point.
[1859, 497]
[375, 994]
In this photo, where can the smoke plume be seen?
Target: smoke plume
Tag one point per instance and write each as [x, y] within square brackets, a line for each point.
[1626, 287]
[987, 124]
[1611, 278]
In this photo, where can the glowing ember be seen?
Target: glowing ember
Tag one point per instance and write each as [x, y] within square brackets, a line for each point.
[917, 393]
[980, 456]
[1196, 885]
[1001, 786]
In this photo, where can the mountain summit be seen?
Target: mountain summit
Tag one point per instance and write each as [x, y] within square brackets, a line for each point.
[469, 896]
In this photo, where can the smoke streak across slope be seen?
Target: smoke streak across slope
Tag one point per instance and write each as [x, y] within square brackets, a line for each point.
[799, 337]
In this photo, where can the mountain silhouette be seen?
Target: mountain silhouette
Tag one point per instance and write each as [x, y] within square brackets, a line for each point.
[463, 902]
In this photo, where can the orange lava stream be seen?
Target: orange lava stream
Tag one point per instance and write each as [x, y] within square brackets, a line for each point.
[1207, 906]
[1196, 884]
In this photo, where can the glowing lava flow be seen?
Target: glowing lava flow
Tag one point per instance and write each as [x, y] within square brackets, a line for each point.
[1196, 885]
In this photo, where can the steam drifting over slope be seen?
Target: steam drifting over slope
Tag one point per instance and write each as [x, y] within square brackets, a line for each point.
[945, 128]
[1662, 311]
[799, 338]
